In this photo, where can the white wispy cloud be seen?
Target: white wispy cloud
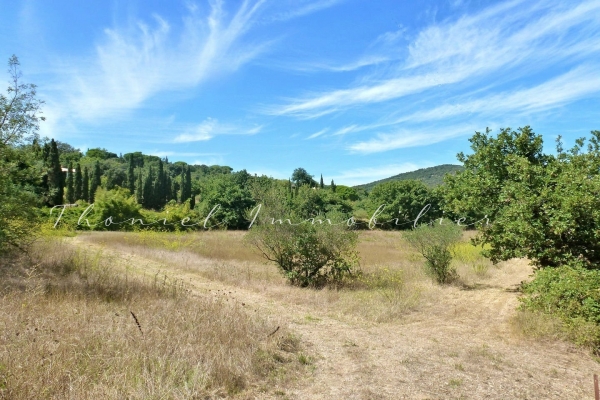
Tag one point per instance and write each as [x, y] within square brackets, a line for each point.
[403, 138]
[131, 64]
[209, 128]
[300, 8]
[506, 41]
[345, 130]
[576, 84]
[317, 134]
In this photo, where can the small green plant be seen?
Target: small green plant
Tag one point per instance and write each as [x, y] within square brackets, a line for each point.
[434, 243]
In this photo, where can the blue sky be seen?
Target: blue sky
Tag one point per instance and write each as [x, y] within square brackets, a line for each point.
[355, 90]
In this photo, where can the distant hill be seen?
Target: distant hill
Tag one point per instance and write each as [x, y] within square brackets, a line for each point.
[432, 176]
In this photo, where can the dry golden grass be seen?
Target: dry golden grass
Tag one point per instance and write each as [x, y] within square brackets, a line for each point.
[67, 330]
[392, 282]
[390, 334]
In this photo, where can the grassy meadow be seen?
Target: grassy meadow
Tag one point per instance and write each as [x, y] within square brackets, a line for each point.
[201, 315]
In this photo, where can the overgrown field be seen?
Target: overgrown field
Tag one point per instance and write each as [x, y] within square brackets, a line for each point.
[73, 324]
[152, 315]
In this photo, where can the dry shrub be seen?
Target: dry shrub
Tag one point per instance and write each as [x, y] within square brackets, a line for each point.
[67, 330]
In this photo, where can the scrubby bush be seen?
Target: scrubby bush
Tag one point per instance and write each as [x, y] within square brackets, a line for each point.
[307, 254]
[573, 295]
[113, 207]
[434, 243]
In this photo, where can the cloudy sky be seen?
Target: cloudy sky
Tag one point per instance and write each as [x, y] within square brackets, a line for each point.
[355, 90]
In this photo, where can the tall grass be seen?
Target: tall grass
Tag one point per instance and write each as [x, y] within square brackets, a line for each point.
[67, 331]
[391, 283]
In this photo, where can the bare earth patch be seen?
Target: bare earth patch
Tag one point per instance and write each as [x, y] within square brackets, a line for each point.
[457, 343]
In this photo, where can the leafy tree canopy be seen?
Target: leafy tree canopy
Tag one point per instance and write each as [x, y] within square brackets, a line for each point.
[99, 153]
[301, 177]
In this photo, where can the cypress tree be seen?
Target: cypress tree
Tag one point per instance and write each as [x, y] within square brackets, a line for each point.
[186, 184]
[182, 186]
[174, 189]
[332, 186]
[139, 188]
[95, 183]
[321, 184]
[159, 186]
[168, 187]
[85, 185]
[148, 190]
[78, 189]
[70, 184]
[188, 181]
[55, 176]
[131, 176]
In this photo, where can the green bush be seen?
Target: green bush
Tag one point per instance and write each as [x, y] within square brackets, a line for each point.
[307, 254]
[573, 295]
[112, 208]
[434, 243]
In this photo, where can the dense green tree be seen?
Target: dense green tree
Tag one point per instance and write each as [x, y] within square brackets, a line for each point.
[55, 176]
[115, 177]
[137, 158]
[95, 181]
[85, 185]
[19, 123]
[68, 153]
[131, 176]
[78, 184]
[321, 184]
[333, 186]
[474, 193]
[232, 200]
[160, 187]
[346, 193]
[301, 177]
[186, 184]
[148, 189]
[401, 202]
[101, 154]
[70, 184]
[550, 211]
[139, 188]
[539, 206]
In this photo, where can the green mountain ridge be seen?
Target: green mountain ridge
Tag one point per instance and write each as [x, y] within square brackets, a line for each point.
[432, 176]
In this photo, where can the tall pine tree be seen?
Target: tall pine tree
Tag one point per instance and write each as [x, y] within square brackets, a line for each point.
[186, 184]
[321, 184]
[139, 188]
[55, 176]
[78, 189]
[85, 185]
[333, 187]
[148, 197]
[96, 181]
[131, 176]
[160, 194]
[70, 184]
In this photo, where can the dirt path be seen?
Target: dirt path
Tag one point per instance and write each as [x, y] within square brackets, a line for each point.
[459, 347]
